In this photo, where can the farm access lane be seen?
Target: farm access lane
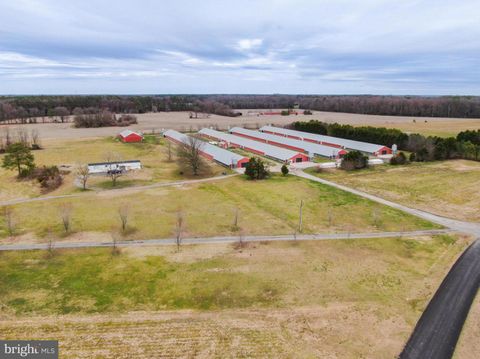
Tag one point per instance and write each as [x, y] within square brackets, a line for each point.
[225, 239]
[436, 334]
[461, 226]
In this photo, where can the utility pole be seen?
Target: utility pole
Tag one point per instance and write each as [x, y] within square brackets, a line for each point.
[300, 220]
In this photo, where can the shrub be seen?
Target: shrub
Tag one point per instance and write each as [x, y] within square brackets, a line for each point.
[103, 119]
[256, 169]
[285, 170]
[354, 160]
[307, 112]
[398, 159]
[48, 177]
[285, 113]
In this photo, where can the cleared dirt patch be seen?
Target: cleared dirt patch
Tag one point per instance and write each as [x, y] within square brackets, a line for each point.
[338, 331]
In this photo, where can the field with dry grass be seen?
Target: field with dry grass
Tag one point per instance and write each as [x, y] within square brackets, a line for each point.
[153, 154]
[156, 122]
[345, 299]
[447, 188]
[265, 208]
[468, 345]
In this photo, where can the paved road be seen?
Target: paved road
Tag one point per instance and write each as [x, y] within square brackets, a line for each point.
[466, 227]
[437, 332]
[119, 190]
[226, 239]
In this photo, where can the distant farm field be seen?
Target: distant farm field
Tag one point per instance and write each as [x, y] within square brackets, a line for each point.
[264, 207]
[156, 122]
[448, 188]
[349, 299]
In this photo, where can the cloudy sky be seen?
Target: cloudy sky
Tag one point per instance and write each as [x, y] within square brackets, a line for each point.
[258, 46]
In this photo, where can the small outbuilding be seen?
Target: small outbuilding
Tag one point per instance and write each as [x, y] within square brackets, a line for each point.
[130, 136]
[107, 167]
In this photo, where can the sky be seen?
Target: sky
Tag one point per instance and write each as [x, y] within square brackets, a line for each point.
[417, 47]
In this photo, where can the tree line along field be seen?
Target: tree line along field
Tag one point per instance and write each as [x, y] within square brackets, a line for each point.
[24, 108]
[265, 208]
[349, 299]
[446, 188]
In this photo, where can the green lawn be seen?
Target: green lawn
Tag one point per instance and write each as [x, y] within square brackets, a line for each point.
[265, 207]
[390, 272]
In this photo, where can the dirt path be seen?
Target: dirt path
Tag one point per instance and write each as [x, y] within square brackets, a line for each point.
[225, 239]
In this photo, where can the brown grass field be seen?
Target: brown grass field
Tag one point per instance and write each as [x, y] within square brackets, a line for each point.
[468, 345]
[447, 188]
[70, 152]
[180, 120]
[328, 299]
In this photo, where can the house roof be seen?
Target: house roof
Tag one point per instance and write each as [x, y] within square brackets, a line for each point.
[221, 155]
[269, 150]
[127, 132]
[350, 144]
[312, 148]
[113, 163]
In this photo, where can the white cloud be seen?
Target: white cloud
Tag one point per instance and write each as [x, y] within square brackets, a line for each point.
[290, 45]
[249, 44]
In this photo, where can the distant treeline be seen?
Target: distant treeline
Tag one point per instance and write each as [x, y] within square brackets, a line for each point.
[26, 108]
[380, 135]
[466, 145]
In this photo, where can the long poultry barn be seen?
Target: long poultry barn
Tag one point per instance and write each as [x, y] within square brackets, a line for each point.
[337, 142]
[263, 149]
[313, 149]
[220, 155]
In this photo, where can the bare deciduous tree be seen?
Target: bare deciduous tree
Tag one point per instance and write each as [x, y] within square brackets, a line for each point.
[22, 136]
[8, 217]
[61, 112]
[35, 137]
[300, 217]
[330, 216]
[179, 227]
[114, 172]
[242, 243]
[115, 249]
[83, 174]
[235, 219]
[169, 151]
[50, 245]
[189, 153]
[66, 210]
[123, 213]
[376, 216]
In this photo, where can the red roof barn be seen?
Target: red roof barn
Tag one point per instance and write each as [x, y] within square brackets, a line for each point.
[130, 136]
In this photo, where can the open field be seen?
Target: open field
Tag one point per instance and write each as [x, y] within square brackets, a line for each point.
[149, 122]
[152, 153]
[448, 188]
[348, 299]
[265, 208]
[468, 345]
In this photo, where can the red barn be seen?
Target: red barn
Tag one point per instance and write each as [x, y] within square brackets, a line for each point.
[130, 136]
